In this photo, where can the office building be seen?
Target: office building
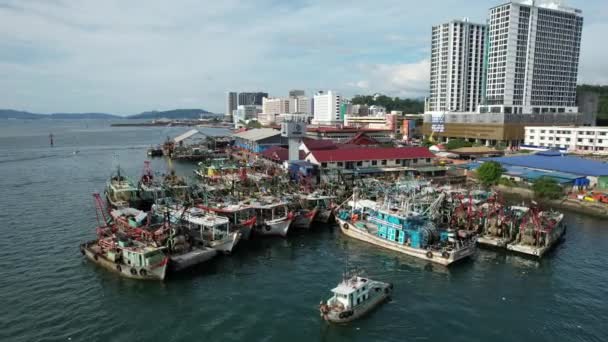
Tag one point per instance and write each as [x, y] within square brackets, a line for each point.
[231, 103]
[248, 99]
[533, 57]
[296, 93]
[327, 107]
[574, 139]
[457, 54]
[300, 104]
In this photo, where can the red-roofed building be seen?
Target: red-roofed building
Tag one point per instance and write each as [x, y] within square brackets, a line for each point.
[362, 139]
[278, 154]
[372, 158]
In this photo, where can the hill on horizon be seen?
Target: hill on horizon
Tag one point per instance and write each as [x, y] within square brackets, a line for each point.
[169, 114]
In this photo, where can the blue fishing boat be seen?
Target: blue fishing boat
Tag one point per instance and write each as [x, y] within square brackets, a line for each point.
[403, 230]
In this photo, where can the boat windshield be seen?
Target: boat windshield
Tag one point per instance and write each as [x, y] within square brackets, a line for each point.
[280, 211]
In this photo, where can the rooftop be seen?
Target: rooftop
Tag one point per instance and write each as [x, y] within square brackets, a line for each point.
[257, 134]
[371, 153]
[559, 163]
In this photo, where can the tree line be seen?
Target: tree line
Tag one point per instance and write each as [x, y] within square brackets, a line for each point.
[407, 106]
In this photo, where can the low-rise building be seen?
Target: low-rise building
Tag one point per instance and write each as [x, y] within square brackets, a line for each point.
[259, 140]
[571, 138]
[371, 159]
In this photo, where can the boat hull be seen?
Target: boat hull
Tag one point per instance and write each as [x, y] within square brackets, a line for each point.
[492, 241]
[304, 219]
[324, 216]
[350, 230]
[195, 257]
[227, 244]
[127, 271]
[273, 228]
[539, 251]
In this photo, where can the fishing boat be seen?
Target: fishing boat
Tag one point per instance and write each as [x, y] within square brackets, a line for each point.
[241, 216]
[539, 231]
[500, 225]
[312, 208]
[176, 186]
[272, 217]
[127, 257]
[213, 230]
[405, 231]
[155, 151]
[120, 191]
[149, 188]
[354, 297]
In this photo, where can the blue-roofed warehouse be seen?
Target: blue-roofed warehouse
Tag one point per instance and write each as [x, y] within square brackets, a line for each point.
[555, 164]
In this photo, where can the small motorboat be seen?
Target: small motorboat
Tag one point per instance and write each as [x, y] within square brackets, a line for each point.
[354, 297]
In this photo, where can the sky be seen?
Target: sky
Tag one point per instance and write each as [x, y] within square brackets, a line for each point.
[125, 57]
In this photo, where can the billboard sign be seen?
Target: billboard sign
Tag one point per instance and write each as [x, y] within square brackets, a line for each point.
[438, 122]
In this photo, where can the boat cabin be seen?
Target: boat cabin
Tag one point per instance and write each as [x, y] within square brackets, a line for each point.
[209, 226]
[351, 292]
[145, 257]
[270, 212]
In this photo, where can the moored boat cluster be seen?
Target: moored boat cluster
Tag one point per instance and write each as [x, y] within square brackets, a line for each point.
[153, 226]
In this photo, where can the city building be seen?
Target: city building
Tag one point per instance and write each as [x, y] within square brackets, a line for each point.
[360, 110]
[243, 114]
[490, 129]
[255, 98]
[231, 103]
[259, 140]
[533, 57]
[300, 104]
[570, 138]
[376, 111]
[271, 108]
[530, 76]
[457, 61]
[296, 93]
[327, 107]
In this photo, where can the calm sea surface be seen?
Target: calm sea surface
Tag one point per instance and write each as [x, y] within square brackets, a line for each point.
[268, 290]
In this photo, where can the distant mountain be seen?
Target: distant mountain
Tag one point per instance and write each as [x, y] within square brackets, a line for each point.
[172, 114]
[17, 114]
[169, 114]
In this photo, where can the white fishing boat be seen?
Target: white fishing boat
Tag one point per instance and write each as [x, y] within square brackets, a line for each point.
[213, 230]
[241, 216]
[272, 217]
[354, 297]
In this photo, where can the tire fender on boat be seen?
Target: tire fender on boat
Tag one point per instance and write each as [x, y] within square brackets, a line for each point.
[143, 272]
[445, 255]
[95, 257]
[345, 226]
[133, 271]
[429, 255]
[118, 268]
[268, 228]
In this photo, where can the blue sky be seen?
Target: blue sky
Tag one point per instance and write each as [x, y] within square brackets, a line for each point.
[126, 57]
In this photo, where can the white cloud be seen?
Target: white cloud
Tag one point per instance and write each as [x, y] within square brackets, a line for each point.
[404, 80]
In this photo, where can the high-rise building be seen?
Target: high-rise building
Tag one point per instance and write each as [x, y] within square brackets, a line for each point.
[533, 58]
[275, 105]
[231, 103]
[300, 104]
[296, 93]
[243, 113]
[247, 99]
[327, 107]
[457, 54]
